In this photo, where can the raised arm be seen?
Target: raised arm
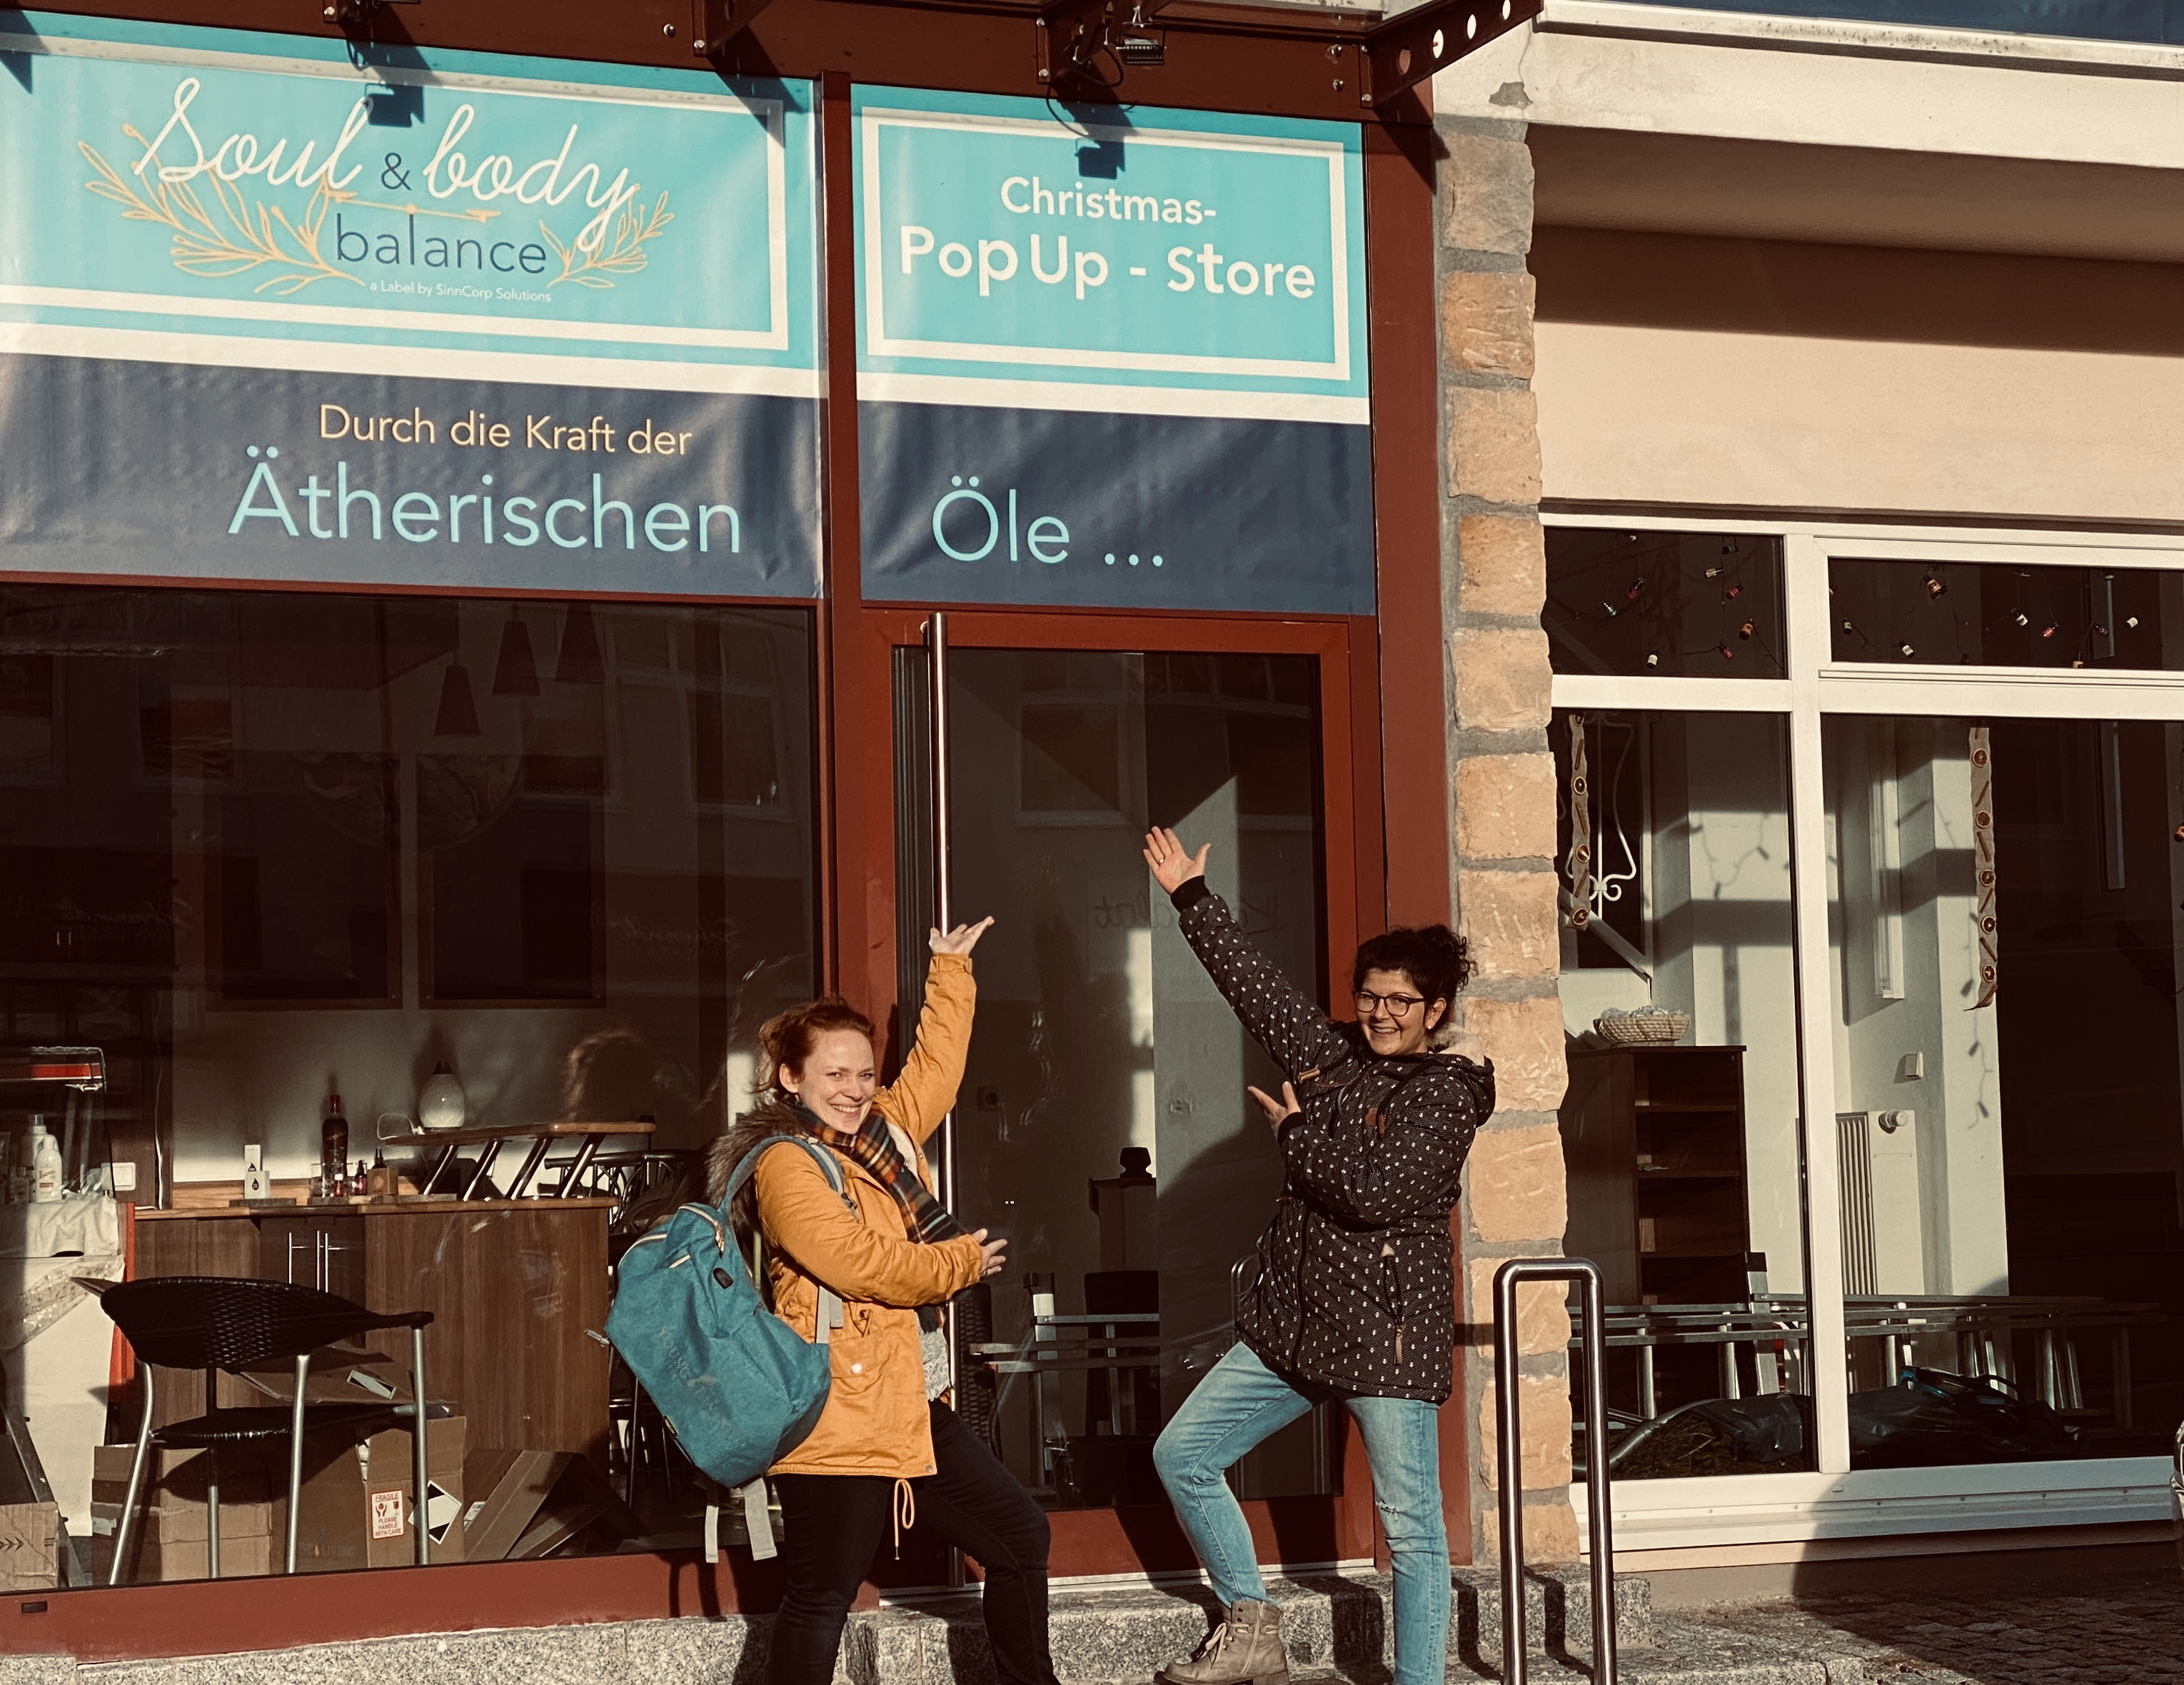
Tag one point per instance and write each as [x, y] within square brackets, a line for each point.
[805, 1220]
[1279, 1016]
[918, 1100]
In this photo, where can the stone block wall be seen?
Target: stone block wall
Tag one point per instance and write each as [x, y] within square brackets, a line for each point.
[1493, 585]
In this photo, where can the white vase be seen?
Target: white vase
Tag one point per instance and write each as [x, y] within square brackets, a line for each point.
[440, 1103]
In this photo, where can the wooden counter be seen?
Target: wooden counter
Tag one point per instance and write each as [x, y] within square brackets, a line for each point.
[512, 1285]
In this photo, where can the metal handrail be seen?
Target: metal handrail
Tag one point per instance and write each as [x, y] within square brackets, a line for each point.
[1509, 1454]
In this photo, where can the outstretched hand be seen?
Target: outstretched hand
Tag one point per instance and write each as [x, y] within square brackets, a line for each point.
[1279, 1112]
[990, 1260]
[959, 940]
[1173, 865]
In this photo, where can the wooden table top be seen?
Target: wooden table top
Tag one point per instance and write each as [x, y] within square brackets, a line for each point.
[486, 1132]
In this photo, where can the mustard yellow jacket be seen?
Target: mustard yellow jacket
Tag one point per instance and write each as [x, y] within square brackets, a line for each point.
[875, 1422]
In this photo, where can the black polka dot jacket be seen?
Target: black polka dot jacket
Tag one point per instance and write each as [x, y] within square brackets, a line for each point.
[1356, 1286]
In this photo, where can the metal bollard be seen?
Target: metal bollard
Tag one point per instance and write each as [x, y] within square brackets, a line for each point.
[1510, 1459]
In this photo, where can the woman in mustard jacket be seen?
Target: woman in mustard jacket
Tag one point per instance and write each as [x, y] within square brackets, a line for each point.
[888, 1452]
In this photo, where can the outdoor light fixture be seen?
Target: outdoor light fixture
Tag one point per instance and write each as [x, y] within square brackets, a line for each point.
[1139, 45]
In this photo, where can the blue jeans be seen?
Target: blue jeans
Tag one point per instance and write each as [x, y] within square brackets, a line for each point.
[1240, 1402]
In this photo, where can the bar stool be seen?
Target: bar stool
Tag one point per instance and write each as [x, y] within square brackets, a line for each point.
[218, 1323]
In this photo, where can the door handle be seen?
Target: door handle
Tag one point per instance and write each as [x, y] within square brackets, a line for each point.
[291, 1238]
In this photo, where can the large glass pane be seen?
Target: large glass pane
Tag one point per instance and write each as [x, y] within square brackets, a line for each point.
[1104, 1126]
[1681, 1124]
[1686, 604]
[264, 849]
[2005, 935]
[1998, 614]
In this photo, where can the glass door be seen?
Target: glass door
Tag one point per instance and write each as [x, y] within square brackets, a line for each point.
[1103, 1124]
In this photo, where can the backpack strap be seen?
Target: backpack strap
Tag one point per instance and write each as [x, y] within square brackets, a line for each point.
[829, 1316]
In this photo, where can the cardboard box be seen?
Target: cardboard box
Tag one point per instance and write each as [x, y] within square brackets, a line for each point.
[30, 1547]
[357, 1511]
[340, 1374]
[506, 1490]
[169, 1540]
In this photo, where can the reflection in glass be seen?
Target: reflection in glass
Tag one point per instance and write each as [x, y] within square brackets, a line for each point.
[1104, 1126]
[1680, 1126]
[1686, 604]
[2006, 938]
[1997, 614]
[261, 848]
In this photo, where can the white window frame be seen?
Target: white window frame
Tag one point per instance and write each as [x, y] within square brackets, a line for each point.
[1837, 1501]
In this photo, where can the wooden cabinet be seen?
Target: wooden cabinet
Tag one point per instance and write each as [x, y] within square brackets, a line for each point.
[513, 1287]
[1654, 1142]
[324, 1251]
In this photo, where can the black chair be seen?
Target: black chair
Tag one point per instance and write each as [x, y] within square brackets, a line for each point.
[217, 1322]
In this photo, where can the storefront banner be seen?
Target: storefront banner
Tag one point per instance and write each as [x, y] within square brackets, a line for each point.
[243, 277]
[1111, 356]
[195, 184]
[265, 474]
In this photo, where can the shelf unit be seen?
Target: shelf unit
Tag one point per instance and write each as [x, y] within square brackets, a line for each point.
[1654, 1140]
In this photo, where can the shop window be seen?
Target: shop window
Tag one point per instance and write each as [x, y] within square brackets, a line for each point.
[1680, 605]
[1104, 1126]
[1680, 1123]
[2001, 614]
[2010, 1115]
[26, 716]
[261, 847]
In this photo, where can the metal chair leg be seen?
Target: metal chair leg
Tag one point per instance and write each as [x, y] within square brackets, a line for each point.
[212, 1512]
[420, 1425]
[296, 1457]
[136, 1480]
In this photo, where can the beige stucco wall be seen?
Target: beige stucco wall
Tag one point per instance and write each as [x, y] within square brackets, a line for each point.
[1675, 415]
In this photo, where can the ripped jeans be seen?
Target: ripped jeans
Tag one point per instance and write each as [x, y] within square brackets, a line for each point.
[1240, 1402]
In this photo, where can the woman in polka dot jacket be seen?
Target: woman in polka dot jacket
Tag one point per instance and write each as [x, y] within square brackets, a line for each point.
[1355, 1296]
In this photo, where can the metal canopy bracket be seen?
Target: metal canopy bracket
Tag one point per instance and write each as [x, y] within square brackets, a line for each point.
[1072, 34]
[1404, 50]
[715, 23]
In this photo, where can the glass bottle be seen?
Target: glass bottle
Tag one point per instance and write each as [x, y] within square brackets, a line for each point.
[333, 1149]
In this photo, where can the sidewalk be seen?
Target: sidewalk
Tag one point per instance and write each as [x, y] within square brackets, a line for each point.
[2126, 1629]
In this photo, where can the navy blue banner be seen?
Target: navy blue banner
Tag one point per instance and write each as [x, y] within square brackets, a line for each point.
[1062, 507]
[186, 471]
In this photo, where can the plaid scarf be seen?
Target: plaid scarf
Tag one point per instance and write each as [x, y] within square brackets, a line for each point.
[924, 1217]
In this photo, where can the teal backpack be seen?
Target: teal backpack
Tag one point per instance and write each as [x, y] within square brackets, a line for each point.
[740, 1389]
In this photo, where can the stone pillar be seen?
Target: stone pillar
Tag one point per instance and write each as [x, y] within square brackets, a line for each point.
[1494, 584]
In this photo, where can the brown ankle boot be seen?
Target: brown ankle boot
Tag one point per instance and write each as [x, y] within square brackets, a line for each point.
[1244, 1650]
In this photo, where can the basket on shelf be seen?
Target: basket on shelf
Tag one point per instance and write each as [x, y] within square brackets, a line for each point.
[1649, 1027]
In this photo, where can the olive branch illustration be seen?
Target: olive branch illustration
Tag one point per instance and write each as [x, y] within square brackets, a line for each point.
[624, 255]
[238, 237]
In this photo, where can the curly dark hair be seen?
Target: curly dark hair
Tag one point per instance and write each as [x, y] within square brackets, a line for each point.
[1436, 960]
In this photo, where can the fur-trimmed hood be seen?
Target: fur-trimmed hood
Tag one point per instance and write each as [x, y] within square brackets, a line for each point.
[729, 1149]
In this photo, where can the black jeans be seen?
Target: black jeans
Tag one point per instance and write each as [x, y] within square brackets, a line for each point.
[834, 1523]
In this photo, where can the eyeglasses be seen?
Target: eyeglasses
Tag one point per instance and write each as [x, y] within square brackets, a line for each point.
[1398, 1005]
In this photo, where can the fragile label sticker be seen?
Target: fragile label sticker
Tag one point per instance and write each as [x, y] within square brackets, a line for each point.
[387, 1515]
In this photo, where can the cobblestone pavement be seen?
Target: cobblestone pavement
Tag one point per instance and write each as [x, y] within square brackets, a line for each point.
[2127, 1632]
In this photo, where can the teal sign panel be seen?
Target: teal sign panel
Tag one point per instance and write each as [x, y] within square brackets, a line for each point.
[1111, 357]
[207, 184]
[271, 313]
[1170, 262]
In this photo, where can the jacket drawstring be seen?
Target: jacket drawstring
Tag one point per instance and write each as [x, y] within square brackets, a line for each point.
[906, 1513]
